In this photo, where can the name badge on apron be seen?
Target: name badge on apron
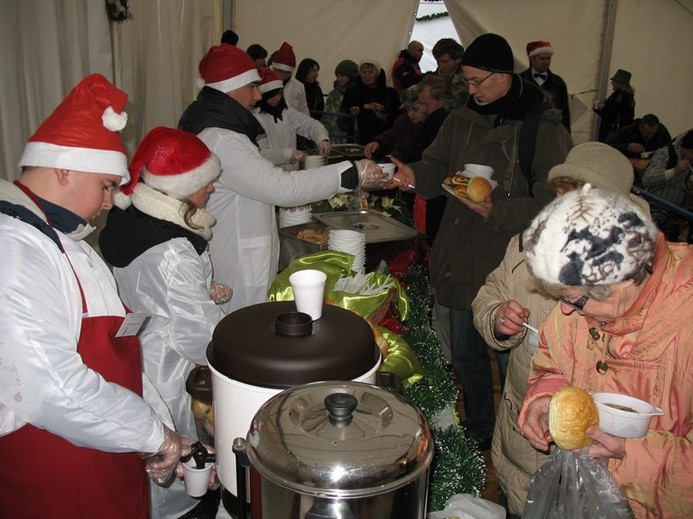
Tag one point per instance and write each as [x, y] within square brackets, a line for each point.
[131, 325]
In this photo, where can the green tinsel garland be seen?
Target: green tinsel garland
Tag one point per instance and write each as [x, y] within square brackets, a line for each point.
[434, 16]
[458, 466]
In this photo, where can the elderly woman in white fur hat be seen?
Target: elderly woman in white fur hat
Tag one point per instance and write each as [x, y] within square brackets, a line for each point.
[156, 240]
[506, 303]
[624, 325]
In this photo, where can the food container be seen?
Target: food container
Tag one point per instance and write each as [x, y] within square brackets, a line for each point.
[624, 416]
[385, 236]
[339, 450]
[258, 351]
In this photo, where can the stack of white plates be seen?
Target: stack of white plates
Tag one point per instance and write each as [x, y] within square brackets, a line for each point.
[289, 216]
[314, 161]
[351, 242]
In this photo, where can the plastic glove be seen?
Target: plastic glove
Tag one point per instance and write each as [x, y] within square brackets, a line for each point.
[325, 147]
[298, 156]
[370, 174]
[161, 465]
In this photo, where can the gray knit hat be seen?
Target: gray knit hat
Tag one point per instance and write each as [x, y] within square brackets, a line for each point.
[589, 237]
[347, 68]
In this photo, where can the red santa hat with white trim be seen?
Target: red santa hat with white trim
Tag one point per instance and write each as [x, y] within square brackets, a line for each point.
[284, 59]
[173, 161]
[269, 80]
[534, 48]
[226, 68]
[82, 132]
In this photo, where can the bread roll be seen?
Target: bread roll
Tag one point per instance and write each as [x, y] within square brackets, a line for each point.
[478, 189]
[571, 412]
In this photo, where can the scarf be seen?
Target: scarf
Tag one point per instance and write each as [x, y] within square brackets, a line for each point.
[214, 109]
[153, 218]
[514, 105]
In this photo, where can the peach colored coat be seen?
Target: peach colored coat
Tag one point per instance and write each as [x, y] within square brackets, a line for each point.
[650, 356]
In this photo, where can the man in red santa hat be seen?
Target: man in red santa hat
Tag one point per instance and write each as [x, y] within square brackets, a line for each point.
[539, 53]
[76, 437]
[245, 246]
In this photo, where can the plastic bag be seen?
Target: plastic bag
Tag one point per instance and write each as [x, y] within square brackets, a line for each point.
[575, 486]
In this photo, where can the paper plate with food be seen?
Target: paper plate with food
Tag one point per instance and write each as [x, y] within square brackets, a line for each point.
[471, 188]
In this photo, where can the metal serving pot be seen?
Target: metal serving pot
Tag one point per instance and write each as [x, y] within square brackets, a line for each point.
[338, 450]
[258, 351]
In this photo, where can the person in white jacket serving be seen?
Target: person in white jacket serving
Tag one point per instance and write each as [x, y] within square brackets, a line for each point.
[245, 247]
[156, 239]
[77, 439]
[282, 123]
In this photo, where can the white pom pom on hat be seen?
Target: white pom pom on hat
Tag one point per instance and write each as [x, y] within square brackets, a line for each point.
[589, 237]
[173, 161]
[81, 133]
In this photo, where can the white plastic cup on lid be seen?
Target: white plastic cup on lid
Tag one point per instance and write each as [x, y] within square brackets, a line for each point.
[309, 291]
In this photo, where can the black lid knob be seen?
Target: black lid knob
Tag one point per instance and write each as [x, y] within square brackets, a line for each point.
[340, 407]
[293, 324]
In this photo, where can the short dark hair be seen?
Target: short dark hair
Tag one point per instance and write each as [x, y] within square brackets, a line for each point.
[439, 86]
[257, 51]
[448, 46]
[650, 120]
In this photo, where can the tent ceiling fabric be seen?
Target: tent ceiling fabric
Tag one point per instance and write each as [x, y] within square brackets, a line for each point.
[327, 30]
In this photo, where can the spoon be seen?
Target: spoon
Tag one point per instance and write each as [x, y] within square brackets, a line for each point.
[531, 328]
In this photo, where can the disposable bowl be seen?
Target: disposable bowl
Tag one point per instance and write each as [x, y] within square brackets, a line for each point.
[630, 419]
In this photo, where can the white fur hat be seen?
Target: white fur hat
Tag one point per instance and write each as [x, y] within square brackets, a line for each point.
[589, 237]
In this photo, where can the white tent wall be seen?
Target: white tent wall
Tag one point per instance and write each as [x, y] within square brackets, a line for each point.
[50, 45]
[651, 39]
[328, 31]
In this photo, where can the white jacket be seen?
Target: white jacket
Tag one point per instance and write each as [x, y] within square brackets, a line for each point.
[245, 244]
[170, 282]
[279, 141]
[295, 95]
[43, 380]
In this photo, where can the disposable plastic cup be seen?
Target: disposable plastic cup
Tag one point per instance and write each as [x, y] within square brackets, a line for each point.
[479, 170]
[309, 291]
[388, 168]
[195, 479]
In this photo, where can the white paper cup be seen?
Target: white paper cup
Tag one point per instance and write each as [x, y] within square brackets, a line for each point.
[388, 168]
[309, 291]
[195, 479]
[479, 170]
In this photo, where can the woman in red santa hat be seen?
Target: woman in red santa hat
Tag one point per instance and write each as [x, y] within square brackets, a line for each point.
[283, 123]
[156, 239]
[284, 62]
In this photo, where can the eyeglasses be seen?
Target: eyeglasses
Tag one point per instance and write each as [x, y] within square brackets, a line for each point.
[578, 304]
[477, 84]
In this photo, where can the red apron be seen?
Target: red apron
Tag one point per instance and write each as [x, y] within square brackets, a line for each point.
[43, 475]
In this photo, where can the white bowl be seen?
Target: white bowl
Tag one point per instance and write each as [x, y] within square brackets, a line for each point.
[621, 422]
[479, 170]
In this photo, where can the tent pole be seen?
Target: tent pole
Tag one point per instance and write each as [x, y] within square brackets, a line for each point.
[605, 58]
